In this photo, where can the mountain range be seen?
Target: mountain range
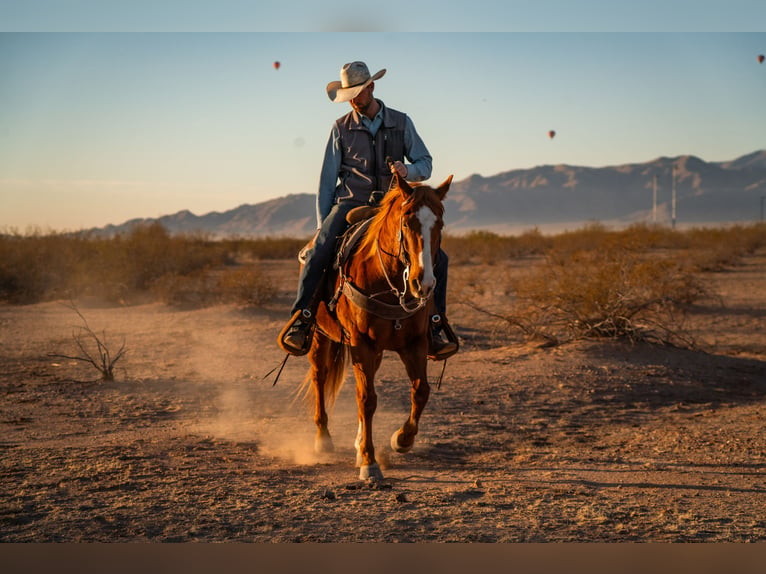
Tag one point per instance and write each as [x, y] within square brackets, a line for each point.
[548, 197]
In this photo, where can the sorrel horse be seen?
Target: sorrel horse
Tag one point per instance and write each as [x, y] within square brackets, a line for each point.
[382, 301]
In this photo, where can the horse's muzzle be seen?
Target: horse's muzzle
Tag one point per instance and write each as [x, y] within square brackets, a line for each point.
[423, 289]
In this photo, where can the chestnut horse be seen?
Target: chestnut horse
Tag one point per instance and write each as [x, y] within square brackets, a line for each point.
[382, 302]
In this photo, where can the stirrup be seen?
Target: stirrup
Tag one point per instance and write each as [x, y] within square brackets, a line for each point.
[443, 325]
[300, 315]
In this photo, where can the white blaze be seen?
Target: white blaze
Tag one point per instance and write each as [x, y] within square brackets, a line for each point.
[427, 220]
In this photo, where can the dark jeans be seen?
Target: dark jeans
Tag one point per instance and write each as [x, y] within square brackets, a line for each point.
[441, 264]
[322, 255]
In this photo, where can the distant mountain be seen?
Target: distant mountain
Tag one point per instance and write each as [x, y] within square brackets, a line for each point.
[706, 193]
[547, 196]
[290, 216]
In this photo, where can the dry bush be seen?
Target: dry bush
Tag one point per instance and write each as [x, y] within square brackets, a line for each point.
[149, 253]
[609, 293]
[717, 249]
[190, 291]
[533, 242]
[246, 285]
[486, 247]
[94, 349]
[613, 291]
[635, 283]
[147, 261]
[591, 236]
[644, 236]
[715, 258]
[266, 247]
[31, 266]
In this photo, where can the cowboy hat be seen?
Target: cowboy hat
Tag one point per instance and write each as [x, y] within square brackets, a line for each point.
[354, 77]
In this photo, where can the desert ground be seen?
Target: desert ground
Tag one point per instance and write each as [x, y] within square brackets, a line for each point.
[589, 441]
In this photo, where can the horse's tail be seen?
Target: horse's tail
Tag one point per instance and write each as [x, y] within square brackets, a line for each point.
[336, 359]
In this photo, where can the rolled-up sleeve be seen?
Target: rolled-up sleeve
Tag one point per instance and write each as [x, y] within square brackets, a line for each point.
[416, 152]
[328, 178]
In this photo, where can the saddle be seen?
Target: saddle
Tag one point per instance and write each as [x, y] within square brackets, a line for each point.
[359, 219]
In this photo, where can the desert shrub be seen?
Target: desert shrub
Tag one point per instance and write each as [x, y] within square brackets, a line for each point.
[715, 258]
[94, 349]
[489, 248]
[32, 266]
[716, 249]
[267, 248]
[186, 291]
[533, 242]
[246, 285]
[477, 246]
[37, 267]
[149, 253]
[608, 292]
[591, 236]
[649, 236]
[753, 237]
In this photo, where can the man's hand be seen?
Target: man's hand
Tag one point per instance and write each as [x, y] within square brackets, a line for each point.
[398, 168]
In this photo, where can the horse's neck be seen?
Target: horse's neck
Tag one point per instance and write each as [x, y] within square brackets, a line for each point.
[384, 265]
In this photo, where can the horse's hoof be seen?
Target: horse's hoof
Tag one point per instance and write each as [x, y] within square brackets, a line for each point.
[370, 472]
[395, 443]
[323, 444]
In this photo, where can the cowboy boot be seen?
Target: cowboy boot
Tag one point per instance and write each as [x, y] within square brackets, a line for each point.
[297, 334]
[442, 343]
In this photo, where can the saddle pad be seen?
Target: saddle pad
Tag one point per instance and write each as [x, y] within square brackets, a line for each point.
[349, 240]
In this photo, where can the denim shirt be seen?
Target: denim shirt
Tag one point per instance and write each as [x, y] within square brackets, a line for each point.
[415, 151]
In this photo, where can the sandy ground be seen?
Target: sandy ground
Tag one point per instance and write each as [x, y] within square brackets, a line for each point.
[594, 441]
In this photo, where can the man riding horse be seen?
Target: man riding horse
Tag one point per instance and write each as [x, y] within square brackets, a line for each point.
[354, 173]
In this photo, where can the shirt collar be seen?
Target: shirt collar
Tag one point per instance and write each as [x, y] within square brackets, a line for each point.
[373, 124]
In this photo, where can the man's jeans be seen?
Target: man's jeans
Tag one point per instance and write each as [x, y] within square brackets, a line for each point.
[322, 254]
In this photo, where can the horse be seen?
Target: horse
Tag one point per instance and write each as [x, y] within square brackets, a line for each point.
[381, 301]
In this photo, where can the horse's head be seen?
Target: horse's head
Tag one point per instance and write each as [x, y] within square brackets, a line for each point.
[421, 216]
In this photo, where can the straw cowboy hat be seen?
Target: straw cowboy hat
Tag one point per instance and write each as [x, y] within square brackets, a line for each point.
[354, 77]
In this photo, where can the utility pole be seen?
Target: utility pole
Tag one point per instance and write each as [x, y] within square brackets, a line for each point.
[673, 200]
[654, 202]
[762, 198]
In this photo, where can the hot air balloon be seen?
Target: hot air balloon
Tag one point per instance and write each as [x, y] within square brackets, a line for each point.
[761, 58]
[552, 134]
[276, 65]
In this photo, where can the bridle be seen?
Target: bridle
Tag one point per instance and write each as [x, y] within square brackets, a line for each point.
[370, 303]
[404, 258]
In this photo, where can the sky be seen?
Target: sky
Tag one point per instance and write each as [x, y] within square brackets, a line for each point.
[116, 115]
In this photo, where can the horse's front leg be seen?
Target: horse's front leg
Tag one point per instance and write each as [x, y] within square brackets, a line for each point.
[323, 371]
[415, 361]
[366, 363]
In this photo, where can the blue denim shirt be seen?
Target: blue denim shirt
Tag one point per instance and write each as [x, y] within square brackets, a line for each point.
[414, 150]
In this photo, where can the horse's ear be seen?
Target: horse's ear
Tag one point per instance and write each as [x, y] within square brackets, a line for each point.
[402, 184]
[441, 191]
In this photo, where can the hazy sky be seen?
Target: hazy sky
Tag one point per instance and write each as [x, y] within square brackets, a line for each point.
[100, 127]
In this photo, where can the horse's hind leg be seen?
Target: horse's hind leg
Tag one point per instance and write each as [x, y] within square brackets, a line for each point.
[415, 363]
[326, 377]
